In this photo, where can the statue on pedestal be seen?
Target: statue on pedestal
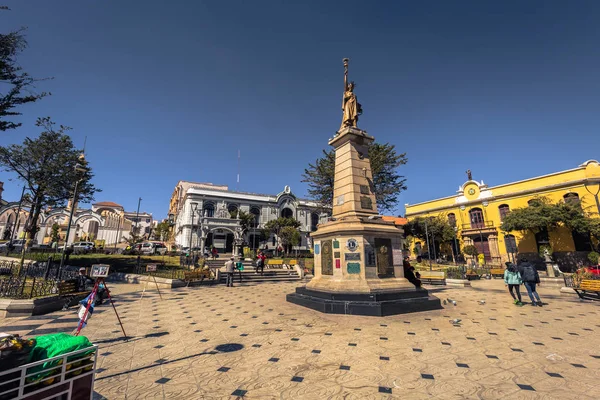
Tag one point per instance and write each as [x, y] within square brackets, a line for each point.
[350, 106]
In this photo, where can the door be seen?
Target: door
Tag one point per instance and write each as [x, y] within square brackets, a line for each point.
[326, 258]
[483, 247]
[385, 263]
[476, 216]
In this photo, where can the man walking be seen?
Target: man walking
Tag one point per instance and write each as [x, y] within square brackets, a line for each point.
[530, 278]
[229, 269]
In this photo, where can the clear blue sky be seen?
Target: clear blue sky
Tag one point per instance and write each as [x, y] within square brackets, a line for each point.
[170, 90]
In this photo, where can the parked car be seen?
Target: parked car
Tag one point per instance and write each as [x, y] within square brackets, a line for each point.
[17, 245]
[153, 248]
[82, 247]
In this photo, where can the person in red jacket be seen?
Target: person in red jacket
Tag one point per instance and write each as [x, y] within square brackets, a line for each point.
[260, 262]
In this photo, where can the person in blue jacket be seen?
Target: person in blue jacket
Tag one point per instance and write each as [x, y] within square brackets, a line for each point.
[512, 279]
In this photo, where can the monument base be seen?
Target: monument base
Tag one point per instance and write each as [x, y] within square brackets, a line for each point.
[372, 304]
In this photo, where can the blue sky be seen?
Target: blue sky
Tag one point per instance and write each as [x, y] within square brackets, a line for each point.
[168, 91]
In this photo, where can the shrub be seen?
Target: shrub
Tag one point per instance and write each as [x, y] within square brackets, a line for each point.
[470, 250]
[593, 257]
[545, 249]
[454, 273]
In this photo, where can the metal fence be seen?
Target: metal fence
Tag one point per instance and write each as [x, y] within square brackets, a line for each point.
[27, 288]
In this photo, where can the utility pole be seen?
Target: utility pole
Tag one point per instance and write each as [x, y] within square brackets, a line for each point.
[428, 248]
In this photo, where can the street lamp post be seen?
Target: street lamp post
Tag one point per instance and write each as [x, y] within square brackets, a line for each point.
[78, 168]
[428, 248]
[194, 206]
[594, 194]
[137, 216]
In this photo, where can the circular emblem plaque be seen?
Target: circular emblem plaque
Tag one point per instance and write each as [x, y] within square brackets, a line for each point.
[352, 244]
[471, 191]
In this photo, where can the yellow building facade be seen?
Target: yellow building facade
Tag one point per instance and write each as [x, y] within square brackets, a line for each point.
[476, 211]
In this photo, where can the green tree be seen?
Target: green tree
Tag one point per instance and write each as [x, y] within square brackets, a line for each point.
[289, 236]
[54, 234]
[16, 86]
[246, 220]
[471, 250]
[162, 230]
[539, 215]
[387, 184]
[437, 228]
[276, 226]
[133, 239]
[50, 166]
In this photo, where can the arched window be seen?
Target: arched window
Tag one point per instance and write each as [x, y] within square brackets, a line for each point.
[534, 202]
[208, 210]
[476, 217]
[287, 213]
[504, 209]
[256, 212]
[314, 221]
[511, 244]
[232, 208]
[572, 198]
[452, 219]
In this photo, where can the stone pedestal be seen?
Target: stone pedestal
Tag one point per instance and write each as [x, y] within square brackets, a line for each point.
[358, 256]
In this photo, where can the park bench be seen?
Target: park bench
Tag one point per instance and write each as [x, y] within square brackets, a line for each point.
[275, 263]
[497, 272]
[433, 277]
[588, 289]
[68, 290]
[196, 275]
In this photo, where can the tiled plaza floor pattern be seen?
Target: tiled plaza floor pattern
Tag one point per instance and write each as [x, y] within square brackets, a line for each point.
[247, 342]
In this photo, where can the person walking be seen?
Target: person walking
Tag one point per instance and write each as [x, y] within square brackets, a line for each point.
[530, 278]
[260, 262]
[229, 269]
[512, 279]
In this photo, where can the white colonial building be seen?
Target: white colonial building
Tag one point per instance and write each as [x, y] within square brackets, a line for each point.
[105, 222]
[201, 216]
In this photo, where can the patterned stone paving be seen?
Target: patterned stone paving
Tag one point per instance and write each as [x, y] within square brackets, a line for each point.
[247, 342]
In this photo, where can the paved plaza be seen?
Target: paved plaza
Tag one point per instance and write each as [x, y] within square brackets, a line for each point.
[248, 342]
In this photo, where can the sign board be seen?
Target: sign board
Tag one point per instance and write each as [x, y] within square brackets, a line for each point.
[100, 270]
[352, 256]
[337, 263]
[397, 256]
[336, 254]
[369, 256]
[151, 268]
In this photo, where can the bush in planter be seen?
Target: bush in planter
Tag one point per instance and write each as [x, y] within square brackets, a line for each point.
[454, 273]
[470, 250]
[593, 257]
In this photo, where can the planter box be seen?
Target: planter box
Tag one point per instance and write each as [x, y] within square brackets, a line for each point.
[10, 308]
[458, 282]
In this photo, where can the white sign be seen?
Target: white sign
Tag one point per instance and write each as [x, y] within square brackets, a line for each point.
[352, 244]
[150, 267]
[100, 270]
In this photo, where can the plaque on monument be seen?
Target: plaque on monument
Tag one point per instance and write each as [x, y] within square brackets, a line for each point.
[364, 189]
[352, 256]
[397, 256]
[340, 200]
[353, 268]
[336, 254]
[383, 251]
[336, 244]
[366, 203]
[326, 258]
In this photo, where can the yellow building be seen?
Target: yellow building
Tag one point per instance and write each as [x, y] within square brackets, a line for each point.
[476, 211]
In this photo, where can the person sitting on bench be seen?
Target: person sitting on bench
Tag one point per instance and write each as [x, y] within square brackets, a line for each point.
[409, 273]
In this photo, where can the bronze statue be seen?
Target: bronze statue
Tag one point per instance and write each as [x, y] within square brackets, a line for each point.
[469, 176]
[350, 106]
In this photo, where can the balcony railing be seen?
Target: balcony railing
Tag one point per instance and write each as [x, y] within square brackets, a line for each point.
[478, 225]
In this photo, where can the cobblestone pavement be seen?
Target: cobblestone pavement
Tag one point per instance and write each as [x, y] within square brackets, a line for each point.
[248, 342]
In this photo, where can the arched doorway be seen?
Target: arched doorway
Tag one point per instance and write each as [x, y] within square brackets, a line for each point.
[483, 247]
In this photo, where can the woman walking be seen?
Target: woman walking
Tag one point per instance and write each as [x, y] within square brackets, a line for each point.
[530, 278]
[512, 279]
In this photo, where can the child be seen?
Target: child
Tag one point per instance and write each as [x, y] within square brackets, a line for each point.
[512, 278]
